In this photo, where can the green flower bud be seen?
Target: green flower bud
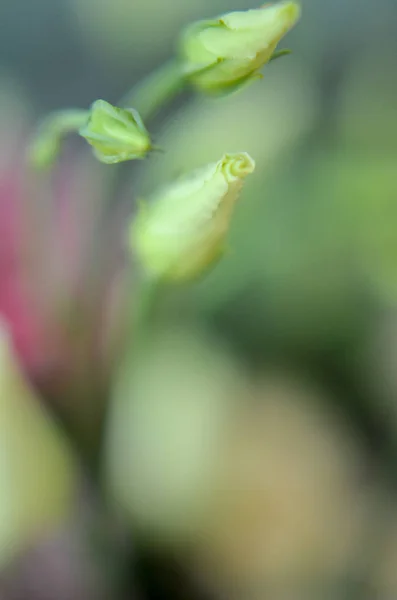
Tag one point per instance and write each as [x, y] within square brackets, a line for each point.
[116, 134]
[182, 231]
[222, 55]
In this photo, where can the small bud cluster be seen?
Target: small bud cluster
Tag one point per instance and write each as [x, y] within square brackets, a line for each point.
[183, 228]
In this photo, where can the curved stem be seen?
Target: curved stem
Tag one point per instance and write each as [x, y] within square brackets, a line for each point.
[159, 88]
[64, 121]
[147, 98]
[46, 145]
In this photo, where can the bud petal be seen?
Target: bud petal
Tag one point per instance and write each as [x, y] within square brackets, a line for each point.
[220, 55]
[116, 134]
[182, 232]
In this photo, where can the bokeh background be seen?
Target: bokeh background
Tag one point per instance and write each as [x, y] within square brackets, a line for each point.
[248, 449]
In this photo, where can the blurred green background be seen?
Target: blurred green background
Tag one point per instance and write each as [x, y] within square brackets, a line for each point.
[249, 448]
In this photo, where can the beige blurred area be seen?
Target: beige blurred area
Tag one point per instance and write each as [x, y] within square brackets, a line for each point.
[385, 580]
[288, 504]
[256, 483]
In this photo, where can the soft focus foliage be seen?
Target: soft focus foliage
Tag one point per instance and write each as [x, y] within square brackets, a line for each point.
[258, 481]
[249, 437]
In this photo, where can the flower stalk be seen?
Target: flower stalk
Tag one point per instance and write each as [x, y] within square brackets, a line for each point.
[46, 145]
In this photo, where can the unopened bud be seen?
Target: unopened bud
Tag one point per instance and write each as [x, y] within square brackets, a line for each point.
[116, 134]
[183, 230]
[222, 55]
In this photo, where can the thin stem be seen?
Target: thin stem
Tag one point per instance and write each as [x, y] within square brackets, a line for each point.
[64, 121]
[147, 98]
[159, 88]
[148, 298]
[46, 144]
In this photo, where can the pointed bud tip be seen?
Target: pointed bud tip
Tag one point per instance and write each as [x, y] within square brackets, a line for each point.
[238, 165]
[291, 11]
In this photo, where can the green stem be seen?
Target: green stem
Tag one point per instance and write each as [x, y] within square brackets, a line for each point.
[46, 145]
[148, 298]
[137, 329]
[159, 88]
[64, 121]
[147, 98]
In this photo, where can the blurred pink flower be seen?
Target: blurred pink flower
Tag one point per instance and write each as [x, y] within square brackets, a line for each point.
[16, 300]
[62, 276]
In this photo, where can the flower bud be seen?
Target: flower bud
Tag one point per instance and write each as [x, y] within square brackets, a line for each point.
[222, 55]
[116, 134]
[183, 230]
